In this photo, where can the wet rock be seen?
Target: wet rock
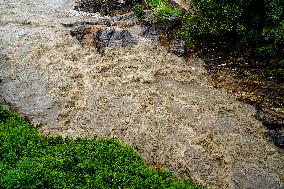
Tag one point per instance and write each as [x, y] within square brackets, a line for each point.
[277, 137]
[108, 21]
[97, 21]
[155, 34]
[150, 32]
[79, 28]
[272, 118]
[113, 37]
[165, 27]
[104, 31]
[78, 33]
[177, 47]
[160, 33]
[90, 5]
[124, 17]
[105, 7]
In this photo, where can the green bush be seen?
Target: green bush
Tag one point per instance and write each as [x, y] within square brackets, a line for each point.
[256, 24]
[28, 160]
[213, 18]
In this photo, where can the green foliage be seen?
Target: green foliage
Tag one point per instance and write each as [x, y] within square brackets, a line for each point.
[256, 24]
[162, 9]
[28, 160]
[213, 18]
[138, 11]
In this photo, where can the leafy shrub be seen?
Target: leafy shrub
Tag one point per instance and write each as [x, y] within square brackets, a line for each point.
[257, 24]
[28, 160]
[213, 18]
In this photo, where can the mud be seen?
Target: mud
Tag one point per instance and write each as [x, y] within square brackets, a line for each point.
[154, 101]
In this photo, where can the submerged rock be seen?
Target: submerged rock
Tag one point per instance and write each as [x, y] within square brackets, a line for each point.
[113, 37]
[150, 32]
[277, 137]
[272, 118]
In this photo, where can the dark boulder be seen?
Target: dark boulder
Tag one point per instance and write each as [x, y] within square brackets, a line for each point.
[151, 32]
[277, 137]
[113, 37]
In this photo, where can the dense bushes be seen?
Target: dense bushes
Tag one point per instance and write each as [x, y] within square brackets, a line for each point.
[28, 160]
[255, 24]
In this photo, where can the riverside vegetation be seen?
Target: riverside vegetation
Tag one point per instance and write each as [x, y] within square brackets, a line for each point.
[256, 25]
[29, 160]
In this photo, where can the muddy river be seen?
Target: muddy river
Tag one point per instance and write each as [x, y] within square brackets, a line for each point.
[154, 101]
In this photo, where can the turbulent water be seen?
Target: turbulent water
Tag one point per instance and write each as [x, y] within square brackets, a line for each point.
[152, 100]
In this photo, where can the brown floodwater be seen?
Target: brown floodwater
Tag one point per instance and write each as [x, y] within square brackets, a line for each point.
[158, 103]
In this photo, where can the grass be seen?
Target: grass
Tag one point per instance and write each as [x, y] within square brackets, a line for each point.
[29, 160]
